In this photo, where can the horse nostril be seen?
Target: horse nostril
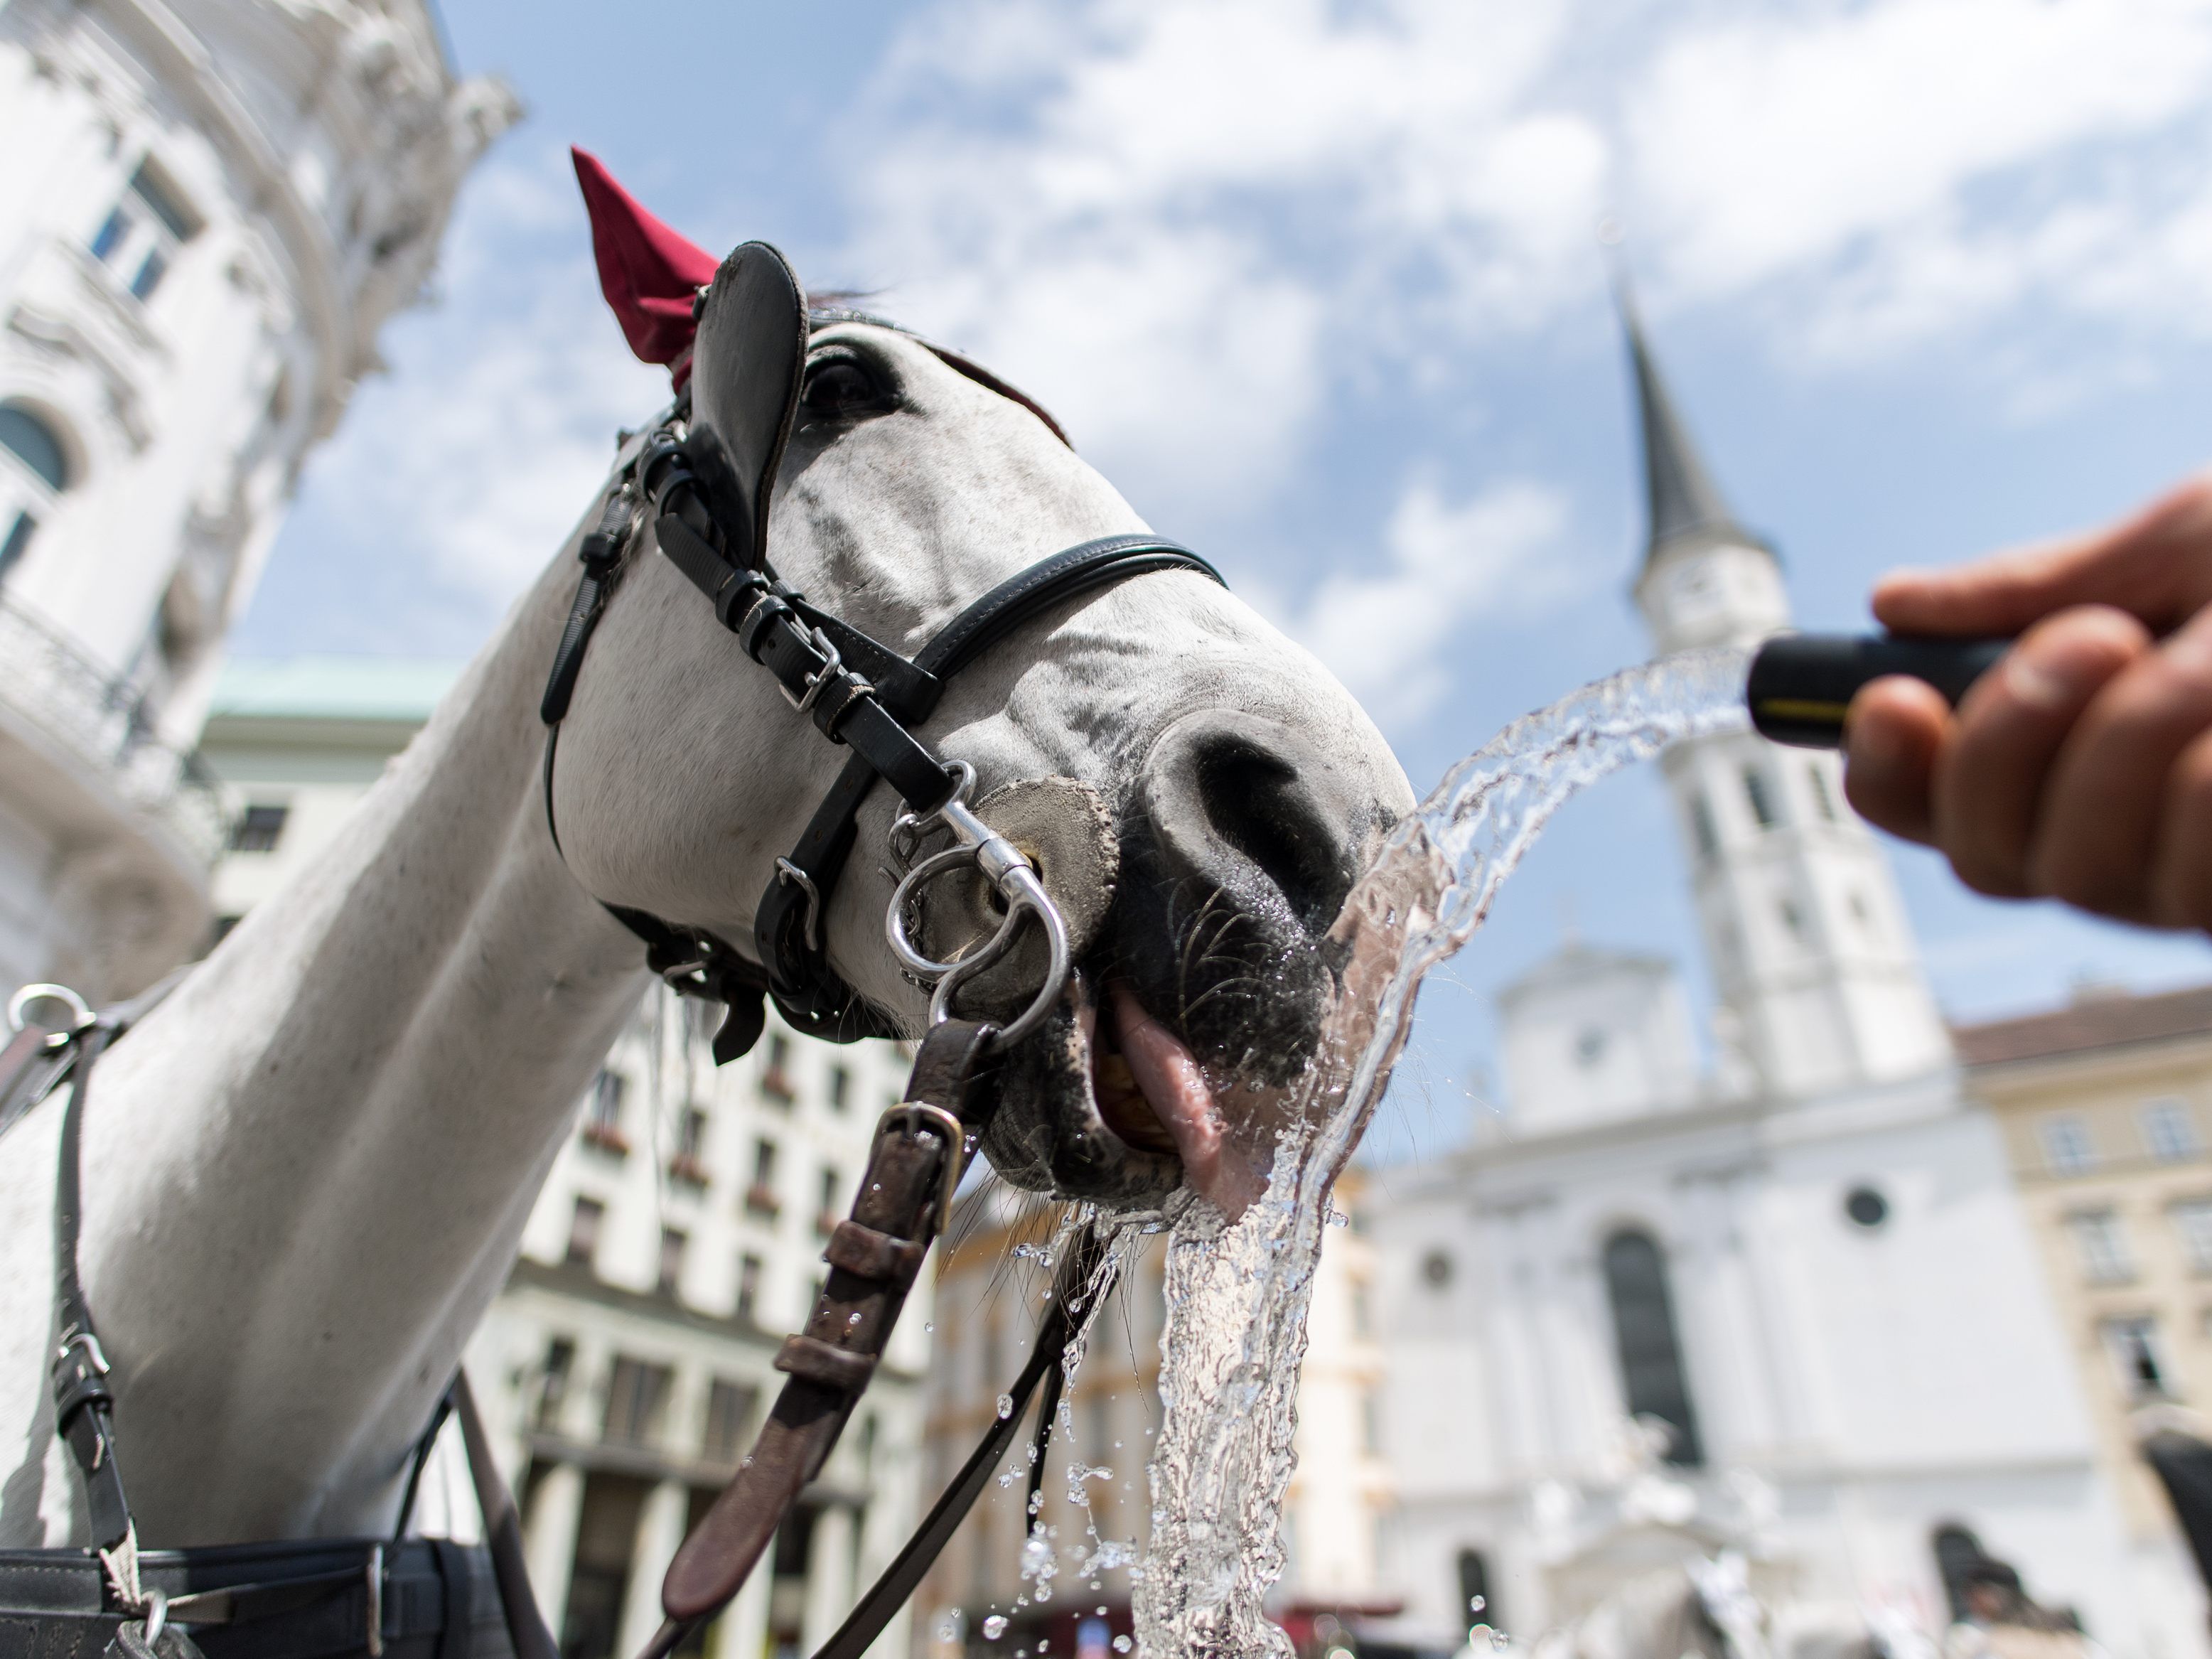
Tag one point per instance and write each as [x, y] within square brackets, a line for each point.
[1252, 810]
[1260, 808]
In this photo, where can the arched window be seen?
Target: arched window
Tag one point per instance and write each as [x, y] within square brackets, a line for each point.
[40, 470]
[35, 444]
[1956, 1550]
[1644, 1336]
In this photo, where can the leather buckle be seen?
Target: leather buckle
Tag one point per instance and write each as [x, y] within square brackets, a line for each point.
[921, 1115]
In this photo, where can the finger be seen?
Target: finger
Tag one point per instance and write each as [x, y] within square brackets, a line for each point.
[2156, 564]
[2181, 869]
[1991, 775]
[2096, 836]
[1890, 739]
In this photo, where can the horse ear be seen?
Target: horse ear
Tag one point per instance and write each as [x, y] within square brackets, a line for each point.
[647, 272]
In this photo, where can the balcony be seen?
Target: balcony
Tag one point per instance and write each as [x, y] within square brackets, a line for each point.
[130, 824]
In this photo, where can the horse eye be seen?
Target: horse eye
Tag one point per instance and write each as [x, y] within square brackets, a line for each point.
[840, 386]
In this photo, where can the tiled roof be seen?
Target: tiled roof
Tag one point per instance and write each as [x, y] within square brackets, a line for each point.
[2101, 1022]
[332, 688]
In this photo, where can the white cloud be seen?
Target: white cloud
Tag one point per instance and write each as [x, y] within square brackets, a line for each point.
[1452, 564]
[1184, 227]
[1918, 169]
[1191, 225]
[479, 451]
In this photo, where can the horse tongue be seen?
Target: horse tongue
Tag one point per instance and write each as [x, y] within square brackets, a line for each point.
[1176, 1091]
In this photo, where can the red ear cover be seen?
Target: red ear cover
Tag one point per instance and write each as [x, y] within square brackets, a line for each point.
[647, 272]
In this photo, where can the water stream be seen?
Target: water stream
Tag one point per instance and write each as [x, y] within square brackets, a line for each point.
[1237, 1291]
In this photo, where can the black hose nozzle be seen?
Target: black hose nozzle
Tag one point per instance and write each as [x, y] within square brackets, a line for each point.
[1802, 685]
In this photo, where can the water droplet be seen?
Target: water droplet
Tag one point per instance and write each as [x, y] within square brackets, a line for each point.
[950, 1630]
[1122, 1645]
[1477, 1603]
[1044, 1592]
[1006, 1480]
[927, 1325]
[995, 1627]
[851, 1320]
[1045, 1645]
[1102, 1606]
[1337, 1218]
[1005, 1407]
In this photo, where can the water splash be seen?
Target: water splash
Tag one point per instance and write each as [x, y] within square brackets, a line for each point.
[1237, 1291]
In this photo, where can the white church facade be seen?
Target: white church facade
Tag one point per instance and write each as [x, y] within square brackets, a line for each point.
[1784, 1303]
[209, 210]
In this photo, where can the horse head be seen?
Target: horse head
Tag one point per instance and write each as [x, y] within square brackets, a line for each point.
[1197, 791]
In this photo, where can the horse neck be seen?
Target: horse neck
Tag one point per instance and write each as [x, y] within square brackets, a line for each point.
[307, 1172]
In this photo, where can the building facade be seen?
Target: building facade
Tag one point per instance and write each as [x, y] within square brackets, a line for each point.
[982, 1596]
[210, 209]
[2104, 1107]
[627, 1365]
[1785, 1302]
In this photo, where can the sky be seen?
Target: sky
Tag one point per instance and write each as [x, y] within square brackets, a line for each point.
[1318, 287]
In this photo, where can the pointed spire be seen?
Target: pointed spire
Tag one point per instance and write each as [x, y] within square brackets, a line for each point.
[1681, 498]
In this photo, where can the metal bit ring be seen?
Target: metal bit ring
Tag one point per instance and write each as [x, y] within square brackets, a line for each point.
[1014, 879]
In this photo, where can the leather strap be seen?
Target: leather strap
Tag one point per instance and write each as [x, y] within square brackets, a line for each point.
[708, 492]
[525, 1627]
[876, 1610]
[798, 966]
[900, 1197]
[84, 1409]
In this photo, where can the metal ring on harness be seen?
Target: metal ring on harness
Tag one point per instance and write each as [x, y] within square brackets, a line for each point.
[81, 1014]
[1014, 879]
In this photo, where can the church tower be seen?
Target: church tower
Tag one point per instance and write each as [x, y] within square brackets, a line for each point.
[1819, 981]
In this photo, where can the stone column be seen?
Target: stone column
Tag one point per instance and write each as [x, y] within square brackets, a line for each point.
[660, 1530]
[829, 1576]
[549, 1539]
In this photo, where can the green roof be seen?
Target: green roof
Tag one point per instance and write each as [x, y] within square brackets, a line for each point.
[332, 689]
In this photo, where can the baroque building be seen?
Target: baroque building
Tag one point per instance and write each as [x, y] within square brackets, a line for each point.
[628, 1362]
[210, 210]
[1784, 1302]
[2105, 1106]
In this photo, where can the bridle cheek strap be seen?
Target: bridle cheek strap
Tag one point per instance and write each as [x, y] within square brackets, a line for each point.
[857, 692]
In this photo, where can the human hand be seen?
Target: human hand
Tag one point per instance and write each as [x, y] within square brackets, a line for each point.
[2081, 767]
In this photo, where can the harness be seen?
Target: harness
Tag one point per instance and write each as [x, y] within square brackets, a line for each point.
[703, 475]
[393, 1597]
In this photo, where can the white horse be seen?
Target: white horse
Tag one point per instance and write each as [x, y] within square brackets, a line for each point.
[306, 1173]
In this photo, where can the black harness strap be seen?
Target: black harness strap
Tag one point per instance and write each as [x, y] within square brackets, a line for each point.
[858, 691]
[84, 1409]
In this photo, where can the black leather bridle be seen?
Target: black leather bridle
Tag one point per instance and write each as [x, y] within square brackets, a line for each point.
[704, 476]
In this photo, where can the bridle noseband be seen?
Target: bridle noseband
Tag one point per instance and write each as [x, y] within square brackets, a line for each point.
[705, 476]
